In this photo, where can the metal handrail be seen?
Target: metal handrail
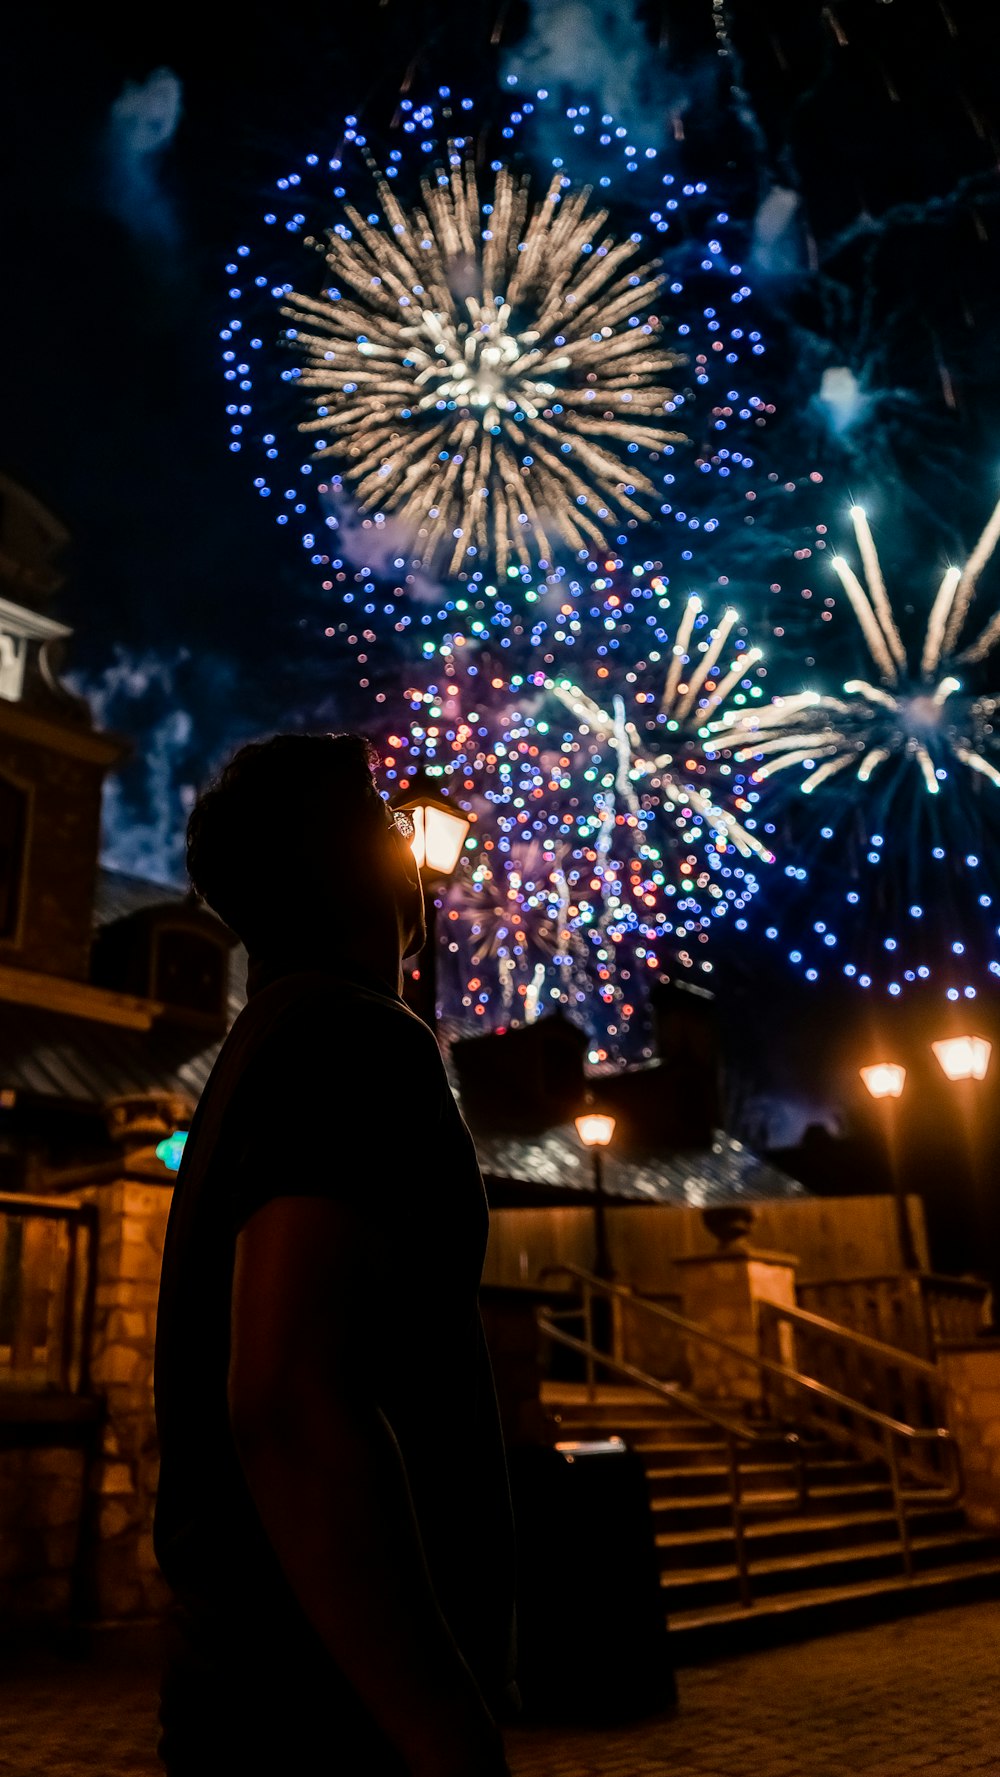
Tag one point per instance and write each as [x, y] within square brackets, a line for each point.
[734, 1430]
[890, 1429]
[766, 1364]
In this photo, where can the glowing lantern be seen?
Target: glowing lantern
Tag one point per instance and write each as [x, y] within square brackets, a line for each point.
[963, 1058]
[595, 1129]
[884, 1079]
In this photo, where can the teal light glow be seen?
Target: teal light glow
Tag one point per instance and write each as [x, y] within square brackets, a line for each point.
[170, 1150]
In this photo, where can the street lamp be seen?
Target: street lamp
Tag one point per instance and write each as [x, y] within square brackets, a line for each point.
[963, 1058]
[595, 1129]
[885, 1081]
[439, 833]
[960, 1058]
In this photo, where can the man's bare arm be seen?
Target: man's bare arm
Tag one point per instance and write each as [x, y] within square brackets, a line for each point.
[328, 1481]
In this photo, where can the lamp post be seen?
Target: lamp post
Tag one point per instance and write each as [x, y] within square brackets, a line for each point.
[963, 1058]
[439, 833]
[885, 1081]
[960, 1058]
[595, 1130]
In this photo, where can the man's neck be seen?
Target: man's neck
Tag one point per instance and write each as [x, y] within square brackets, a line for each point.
[367, 967]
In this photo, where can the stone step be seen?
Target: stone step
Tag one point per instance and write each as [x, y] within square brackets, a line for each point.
[803, 1534]
[667, 1482]
[694, 1588]
[709, 1631]
[682, 1511]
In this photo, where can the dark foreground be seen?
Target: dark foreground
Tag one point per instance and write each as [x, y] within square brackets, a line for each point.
[920, 1695]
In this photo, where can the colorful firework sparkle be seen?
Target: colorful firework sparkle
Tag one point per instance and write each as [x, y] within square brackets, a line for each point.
[597, 857]
[646, 875]
[906, 771]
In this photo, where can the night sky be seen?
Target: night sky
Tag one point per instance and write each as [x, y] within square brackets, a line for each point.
[139, 148]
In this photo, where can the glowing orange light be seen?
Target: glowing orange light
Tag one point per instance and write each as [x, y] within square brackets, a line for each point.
[884, 1079]
[963, 1058]
[595, 1129]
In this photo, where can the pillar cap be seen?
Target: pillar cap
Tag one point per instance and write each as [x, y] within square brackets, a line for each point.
[731, 1254]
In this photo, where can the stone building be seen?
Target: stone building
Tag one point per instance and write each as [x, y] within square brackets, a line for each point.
[114, 996]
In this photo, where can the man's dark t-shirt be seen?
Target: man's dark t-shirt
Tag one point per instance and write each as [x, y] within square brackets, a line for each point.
[324, 1087]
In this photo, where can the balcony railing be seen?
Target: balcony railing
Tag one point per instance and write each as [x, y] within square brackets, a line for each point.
[916, 1311]
[48, 1255]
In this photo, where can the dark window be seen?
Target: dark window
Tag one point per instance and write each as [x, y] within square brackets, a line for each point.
[13, 826]
[190, 970]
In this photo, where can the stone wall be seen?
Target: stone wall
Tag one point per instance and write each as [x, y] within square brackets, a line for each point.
[41, 1496]
[122, 1578]
[971, 1375]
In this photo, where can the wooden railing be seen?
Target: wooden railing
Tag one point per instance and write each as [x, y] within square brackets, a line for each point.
[48, 1256]
[916, 1311]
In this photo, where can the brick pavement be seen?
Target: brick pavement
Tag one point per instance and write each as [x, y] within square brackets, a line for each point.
[917, 1696]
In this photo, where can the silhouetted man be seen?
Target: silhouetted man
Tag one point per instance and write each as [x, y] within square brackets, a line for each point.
[333, 1515]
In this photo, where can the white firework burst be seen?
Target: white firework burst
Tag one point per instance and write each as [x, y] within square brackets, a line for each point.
[637, 768]
[917, 715]
[486, 372]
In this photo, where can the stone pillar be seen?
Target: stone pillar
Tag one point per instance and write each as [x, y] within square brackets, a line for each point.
[970, 1371]
[723, 1292]
[120, 1577]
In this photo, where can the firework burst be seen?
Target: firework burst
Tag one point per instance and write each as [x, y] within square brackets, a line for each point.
[484, 363]
[904, 766]
[695, 686]
[917, 716]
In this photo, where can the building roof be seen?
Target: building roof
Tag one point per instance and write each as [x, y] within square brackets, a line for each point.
[56, 1055]
[545, 1164]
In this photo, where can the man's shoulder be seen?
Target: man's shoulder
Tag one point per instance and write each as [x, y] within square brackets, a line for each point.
[321, 1016]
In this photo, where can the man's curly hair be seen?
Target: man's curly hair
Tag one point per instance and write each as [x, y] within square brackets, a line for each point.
[262, 838]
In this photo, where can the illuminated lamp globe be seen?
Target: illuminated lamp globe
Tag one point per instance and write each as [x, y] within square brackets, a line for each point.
[884, 1079]
[963, 1058]
[595, 1129]
[439, 828]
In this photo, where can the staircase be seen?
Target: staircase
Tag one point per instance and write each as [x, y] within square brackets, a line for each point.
[830, 1536]
[831, 1562]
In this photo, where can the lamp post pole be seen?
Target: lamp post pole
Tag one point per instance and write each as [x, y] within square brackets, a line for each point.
[595, 1129]
[423, 981]
[959, 1058]
[602, 1256]
[885, 1081]
[439, 832]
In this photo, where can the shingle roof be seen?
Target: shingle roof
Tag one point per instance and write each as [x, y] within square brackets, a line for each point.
[54, 1054]
[558, 1160]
